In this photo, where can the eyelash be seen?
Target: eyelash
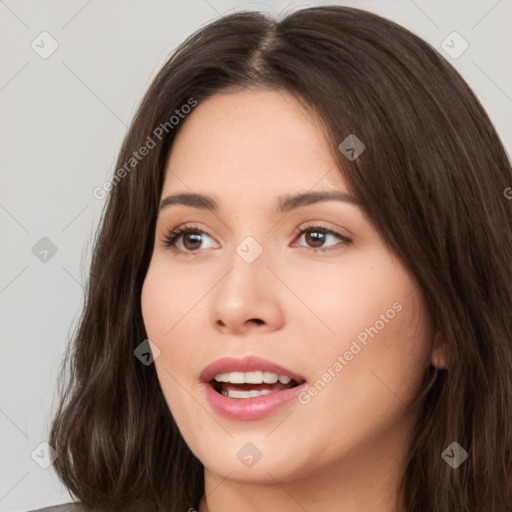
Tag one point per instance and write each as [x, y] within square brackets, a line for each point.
[173, 236]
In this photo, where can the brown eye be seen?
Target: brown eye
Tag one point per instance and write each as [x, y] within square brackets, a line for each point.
[192, 240]
[315, 238]
[185, 239]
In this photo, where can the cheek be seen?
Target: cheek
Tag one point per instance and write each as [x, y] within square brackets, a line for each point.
[368, 339]
[374, 367]
[399, 357]
[156, 303]
[354, 301]
[167, 298]
[168, 303]
[367, 391]
[352, 290]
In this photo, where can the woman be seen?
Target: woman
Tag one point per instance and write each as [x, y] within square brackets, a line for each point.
[300, 293]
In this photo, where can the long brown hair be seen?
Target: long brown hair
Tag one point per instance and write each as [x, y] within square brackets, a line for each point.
[431, 180]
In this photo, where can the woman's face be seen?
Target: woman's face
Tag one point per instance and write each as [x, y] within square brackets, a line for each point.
[334, 309]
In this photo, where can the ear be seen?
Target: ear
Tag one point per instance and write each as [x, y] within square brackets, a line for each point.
[439, 356]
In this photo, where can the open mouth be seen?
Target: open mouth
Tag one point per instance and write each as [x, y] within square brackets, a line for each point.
[251, 384]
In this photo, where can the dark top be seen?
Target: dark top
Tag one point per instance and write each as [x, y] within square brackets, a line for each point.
[78, 507]
[66, 507]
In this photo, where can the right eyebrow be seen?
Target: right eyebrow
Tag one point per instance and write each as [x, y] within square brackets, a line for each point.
[193, 200]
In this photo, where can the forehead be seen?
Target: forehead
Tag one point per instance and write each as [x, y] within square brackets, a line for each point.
[249, 141]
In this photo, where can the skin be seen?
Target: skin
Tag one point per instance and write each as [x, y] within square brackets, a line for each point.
[345, 449]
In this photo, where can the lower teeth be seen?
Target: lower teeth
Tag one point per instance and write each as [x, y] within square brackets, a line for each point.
[245, 394]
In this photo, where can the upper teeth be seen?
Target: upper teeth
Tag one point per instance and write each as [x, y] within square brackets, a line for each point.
[252, 377]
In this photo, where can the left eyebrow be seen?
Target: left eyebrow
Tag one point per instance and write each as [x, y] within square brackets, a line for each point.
[290, 202]
[286, 203]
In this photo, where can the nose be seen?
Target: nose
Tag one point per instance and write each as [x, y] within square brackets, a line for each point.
[247, 298]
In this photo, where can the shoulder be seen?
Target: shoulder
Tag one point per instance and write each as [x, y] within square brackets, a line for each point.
[66, 507]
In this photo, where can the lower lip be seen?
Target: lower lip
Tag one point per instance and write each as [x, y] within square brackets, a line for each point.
[253, 408]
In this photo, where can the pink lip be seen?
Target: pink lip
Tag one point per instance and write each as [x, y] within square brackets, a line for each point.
[248, 408]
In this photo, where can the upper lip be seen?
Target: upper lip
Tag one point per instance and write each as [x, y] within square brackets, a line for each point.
[246, 364]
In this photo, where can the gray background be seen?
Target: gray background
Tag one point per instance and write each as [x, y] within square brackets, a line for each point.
[61, 125]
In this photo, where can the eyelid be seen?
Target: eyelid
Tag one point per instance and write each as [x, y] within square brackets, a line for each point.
[320, 225]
